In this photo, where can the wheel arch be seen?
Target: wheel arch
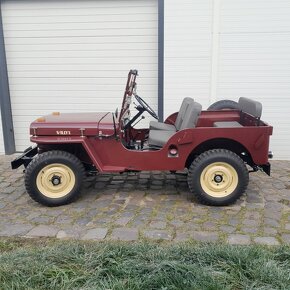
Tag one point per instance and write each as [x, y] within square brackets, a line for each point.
[76, 149]
[220, 143]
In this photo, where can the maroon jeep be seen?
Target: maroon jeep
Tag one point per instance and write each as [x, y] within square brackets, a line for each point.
[215, 148]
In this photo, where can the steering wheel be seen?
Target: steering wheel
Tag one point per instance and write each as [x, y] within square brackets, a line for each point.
[146, 107]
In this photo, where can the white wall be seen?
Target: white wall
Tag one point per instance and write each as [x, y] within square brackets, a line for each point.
[187, 56]
[254, 61]
[1, 137]
[226, 49]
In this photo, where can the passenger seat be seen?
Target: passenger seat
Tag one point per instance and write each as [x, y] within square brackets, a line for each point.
[154, 125]
[158, 138]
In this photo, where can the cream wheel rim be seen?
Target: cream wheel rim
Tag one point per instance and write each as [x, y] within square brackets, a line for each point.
[219, 179]
[55, 180]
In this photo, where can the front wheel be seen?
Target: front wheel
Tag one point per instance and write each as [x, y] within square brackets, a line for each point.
[218, 177]
[54, 178]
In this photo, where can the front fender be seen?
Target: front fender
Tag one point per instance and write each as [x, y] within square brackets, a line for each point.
[84, 141]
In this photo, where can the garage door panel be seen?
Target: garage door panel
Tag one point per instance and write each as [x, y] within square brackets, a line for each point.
[254, 58]
[82, 33]
[81, 19]
[38, 48]
[77, 26]
[73, 56]
[120, 8]
[82, 61]
[81, 40]
[27, 72]
[131, 52]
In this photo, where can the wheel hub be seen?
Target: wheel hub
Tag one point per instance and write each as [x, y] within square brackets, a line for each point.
[56, 180]
[219, 179]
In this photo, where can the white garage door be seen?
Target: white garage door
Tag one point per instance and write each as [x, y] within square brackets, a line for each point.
[187, 55]
[254, 61]
[75, 55]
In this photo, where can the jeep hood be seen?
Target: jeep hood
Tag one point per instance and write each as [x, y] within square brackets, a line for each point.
[73, 124]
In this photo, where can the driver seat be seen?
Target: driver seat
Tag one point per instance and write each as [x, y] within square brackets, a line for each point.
[158, 138]
[154, 125]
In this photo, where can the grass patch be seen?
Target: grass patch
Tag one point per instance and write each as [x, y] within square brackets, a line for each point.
[48, 264]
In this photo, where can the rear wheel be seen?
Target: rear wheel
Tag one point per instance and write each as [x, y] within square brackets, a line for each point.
[218, 177]
[54, 178]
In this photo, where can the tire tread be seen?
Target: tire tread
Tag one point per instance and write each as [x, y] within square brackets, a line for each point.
[41, 158]
[208, 154]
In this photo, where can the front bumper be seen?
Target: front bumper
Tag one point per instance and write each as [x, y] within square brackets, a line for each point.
[25, 158]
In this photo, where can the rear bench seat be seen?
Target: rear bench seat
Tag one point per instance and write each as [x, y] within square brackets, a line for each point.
[246, 105]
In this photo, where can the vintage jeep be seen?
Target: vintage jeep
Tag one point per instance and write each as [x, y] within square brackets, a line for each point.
[213, 147]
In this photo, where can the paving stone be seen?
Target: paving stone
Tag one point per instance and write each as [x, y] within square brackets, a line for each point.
[181, 237]
[251, 223]
[253, 197]
[122, 221]
[234, 222]
[43, 231]
[249, 230]
[269, 241]
[8, 190]
[205, 236]
[227, 229]
[124, 234]
[42, 220]
[270, 231]
[158, 225]
[71, 233]
[237, 239]
[285, 238]
[209, 226]
[15, 230]
[271, 222]
[2, 205]
[252, 215]
[157, 235]
[95, 234]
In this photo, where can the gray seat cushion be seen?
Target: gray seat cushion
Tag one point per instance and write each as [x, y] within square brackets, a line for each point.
[159, 137]
[191, 116]
[251, 107]
[161, 126]
[230, 124]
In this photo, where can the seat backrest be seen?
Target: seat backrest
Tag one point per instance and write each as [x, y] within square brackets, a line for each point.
[191, 116]
[251, 107]
[185, 103]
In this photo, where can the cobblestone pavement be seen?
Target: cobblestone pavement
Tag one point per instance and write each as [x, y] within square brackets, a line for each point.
[151, 206]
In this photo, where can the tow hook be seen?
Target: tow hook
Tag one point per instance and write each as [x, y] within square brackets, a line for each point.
[270, 155]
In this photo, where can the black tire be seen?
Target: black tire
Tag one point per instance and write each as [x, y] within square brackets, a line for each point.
[223, 105]
[64, 169]
[217, 177]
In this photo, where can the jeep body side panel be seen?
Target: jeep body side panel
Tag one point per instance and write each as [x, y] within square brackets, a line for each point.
[109, 154]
